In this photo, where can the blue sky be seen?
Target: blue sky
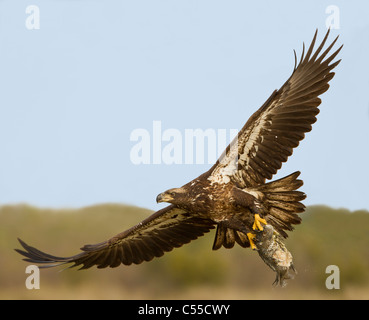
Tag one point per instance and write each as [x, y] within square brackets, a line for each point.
[74, 90]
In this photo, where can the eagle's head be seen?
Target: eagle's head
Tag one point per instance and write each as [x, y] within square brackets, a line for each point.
[175, 196]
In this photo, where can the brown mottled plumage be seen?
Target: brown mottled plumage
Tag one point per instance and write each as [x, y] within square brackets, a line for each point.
[234, 191]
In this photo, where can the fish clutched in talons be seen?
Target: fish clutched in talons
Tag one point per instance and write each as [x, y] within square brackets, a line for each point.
[257, 226]
[274, 253]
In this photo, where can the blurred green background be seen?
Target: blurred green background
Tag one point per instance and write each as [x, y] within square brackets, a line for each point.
[326, 237]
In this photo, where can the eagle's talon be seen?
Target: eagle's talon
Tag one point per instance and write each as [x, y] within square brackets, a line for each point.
[251, 238]
[257, 223]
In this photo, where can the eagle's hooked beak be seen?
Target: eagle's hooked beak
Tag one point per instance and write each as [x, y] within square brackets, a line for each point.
[163, 197]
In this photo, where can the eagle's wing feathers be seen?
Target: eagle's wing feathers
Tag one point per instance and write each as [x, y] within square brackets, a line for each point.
[271, 133]
[164, 230]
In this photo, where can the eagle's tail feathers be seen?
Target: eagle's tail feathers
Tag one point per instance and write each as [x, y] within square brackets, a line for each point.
[282, 205]
[283, 202]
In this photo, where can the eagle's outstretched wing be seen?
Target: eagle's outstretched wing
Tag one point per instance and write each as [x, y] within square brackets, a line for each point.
[164, 230]
[271, 133]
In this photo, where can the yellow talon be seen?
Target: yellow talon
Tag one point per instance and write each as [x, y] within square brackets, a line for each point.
[257, 223]
[251, 237]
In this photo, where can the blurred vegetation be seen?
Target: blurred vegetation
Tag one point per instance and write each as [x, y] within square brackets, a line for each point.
[326, 237]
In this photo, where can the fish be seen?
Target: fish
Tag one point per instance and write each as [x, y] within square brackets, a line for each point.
[274, 253]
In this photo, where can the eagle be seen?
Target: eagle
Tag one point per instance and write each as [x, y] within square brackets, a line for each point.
[235, 195]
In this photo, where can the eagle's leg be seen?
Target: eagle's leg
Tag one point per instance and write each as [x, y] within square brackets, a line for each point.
[238, 225]
[235, 224]
[258, 220]
[247, 200]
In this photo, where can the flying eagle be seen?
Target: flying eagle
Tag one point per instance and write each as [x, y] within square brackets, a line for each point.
[233, 195]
